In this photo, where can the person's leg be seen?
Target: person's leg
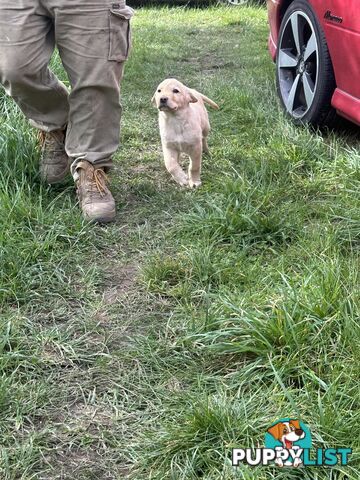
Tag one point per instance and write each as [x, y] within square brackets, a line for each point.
[26, 45]
[93, 38]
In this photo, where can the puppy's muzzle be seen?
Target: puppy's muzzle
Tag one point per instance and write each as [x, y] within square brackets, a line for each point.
[164, 104]
[299, 432]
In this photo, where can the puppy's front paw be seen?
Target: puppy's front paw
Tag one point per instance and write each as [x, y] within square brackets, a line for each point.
[183, 182]
[194, 184]
[181, 179]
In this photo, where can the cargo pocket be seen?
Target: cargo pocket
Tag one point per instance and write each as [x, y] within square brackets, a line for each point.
[120, 31]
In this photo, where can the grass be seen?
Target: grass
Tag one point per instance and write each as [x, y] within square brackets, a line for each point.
[149, 348]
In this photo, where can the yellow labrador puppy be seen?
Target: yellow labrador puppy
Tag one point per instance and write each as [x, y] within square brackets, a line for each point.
[184, 127]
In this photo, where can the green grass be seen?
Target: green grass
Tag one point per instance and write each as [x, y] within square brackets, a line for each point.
[149, 348]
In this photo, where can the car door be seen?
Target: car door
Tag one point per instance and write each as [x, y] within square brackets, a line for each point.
[341, 22]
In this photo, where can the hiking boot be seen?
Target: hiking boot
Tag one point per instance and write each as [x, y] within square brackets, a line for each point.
[54, 162]
[96, 201]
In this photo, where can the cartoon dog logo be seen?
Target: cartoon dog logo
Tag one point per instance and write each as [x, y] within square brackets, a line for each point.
[287, 433]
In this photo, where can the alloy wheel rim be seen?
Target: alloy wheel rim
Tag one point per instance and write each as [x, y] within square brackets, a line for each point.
[298, 64]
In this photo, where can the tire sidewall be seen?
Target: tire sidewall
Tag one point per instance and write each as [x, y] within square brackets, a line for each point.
[321, 92]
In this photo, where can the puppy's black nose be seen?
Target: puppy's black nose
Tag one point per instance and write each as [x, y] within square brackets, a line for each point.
[163, 100]
[299, 432]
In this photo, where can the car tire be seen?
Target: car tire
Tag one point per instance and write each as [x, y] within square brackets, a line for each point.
[304, 73]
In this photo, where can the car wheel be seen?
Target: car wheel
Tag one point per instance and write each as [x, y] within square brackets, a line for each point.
[304, 72]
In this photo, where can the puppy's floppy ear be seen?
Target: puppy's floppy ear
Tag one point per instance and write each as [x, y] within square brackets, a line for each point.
[193, 98]
[276, 431]
[296, 424]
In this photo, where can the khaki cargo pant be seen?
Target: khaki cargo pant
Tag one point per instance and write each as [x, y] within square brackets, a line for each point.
[93, 38]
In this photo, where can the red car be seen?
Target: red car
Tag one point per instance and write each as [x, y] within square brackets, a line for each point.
[316, 46]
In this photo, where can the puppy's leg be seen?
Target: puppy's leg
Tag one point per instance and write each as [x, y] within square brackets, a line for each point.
[205, 132]
[205, 146]
[195, 166]
[171, 158]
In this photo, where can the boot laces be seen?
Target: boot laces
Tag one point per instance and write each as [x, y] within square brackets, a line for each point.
[49, 141]
[99, 180]
[42, 137]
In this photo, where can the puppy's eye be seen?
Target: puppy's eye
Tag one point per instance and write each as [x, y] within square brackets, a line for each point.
[159, 91]
[176, 90]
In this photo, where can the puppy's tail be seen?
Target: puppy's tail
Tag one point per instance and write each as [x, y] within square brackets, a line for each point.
[209, 101]
[205, 99]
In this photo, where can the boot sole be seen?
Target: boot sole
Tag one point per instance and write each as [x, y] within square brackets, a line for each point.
[110, 217]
